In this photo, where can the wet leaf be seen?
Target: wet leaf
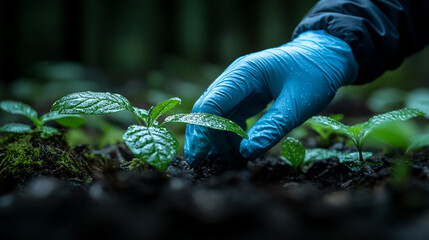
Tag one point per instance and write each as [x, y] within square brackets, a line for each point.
[379, 120]
[293, 151]
[19, 108]
[156, 146]
[317, 154]
[46, 131]
[331, 124]
[420, 141]
[207, 120]
[91, 103]
[15, 128]
[164, 107]
[66, 120]
[352, 161]
[141, 113]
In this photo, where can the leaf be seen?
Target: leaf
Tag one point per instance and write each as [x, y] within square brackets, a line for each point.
[15, 128]
[357, 128]
[156, 146]
[332, 124]
[293, 151]
[207, 120]
[91, 103]
[164, 107]
[397, 134]
[19, 108]
[66, 120]
[141, 113]
[317, 154]
[46, 131]
[385, 99]
[420, 141]
[351, 160]
[149, 120]
[379, 120]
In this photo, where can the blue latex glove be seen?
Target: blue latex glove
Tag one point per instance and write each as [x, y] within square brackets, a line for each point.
[302, 77]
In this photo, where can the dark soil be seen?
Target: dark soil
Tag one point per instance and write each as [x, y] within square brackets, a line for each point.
[264, 199]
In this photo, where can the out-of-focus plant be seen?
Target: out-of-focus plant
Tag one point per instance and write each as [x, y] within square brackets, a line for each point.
[386, 99]
[14, 107]
[358, 132]
[293, 152]
[419, 99]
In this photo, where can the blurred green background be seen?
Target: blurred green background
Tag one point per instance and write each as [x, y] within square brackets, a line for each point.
[150, 50]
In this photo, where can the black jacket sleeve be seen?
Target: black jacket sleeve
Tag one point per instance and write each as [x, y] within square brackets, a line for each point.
[381, 33]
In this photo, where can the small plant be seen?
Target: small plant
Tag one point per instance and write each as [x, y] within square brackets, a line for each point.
[149, 141]
[293, 152]
[19, 108]
[357, 133]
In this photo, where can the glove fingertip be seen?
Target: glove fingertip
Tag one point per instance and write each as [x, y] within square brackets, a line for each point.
[197, 144]
[249, 149]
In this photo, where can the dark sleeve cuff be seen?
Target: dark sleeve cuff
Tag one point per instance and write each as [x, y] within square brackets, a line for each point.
[381, 33]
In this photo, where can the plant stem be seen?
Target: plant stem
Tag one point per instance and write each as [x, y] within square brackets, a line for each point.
[138, 120]
[360, 155]
[359, 147]
[358, 144]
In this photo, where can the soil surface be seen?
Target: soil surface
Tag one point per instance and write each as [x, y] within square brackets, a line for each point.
[264, 199]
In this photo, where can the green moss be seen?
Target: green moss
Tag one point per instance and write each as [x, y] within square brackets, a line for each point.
[138, 165]
[27, 155]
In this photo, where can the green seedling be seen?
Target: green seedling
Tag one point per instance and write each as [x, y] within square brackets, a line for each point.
[13, 107]
[347, 159]
[149, 141]
[357, 133]
[294, 152]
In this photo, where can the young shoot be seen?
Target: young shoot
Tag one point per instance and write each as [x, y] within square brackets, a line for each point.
[293, 152]
[13, 107]
[149, 141]
[357, 133]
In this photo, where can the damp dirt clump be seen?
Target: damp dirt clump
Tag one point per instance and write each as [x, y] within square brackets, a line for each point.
[24, 156]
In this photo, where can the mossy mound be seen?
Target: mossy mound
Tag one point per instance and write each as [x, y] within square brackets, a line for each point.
[23, 156]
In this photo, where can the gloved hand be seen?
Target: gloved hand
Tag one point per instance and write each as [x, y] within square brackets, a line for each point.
[302, 77]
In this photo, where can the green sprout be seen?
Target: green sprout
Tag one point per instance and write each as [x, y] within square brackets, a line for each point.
[294, 152]
[358, 132]
[13, 107]
[149, 141]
